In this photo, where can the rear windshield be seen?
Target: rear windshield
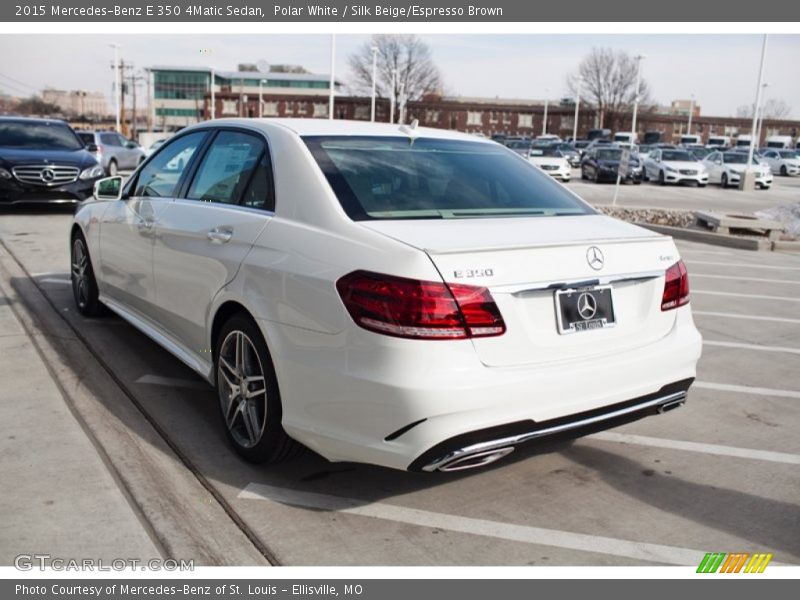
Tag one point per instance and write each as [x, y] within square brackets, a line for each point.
[401, 178]
[86, 137]
[38, 135]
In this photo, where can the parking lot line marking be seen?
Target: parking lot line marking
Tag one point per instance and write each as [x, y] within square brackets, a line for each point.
[746, 265]
[756, 279]
[746, 389]
[742, 295]
[55, 280]
[704, 252]
[494, 529]
[172, 382]
[757, 347]
[715, 449]
[709, 313]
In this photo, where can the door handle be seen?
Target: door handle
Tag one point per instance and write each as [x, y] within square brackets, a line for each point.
[219, 235]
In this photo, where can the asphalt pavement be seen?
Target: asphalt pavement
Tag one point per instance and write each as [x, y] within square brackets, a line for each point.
[720, 474]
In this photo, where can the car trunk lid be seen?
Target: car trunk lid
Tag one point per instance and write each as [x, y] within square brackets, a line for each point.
[524, 261]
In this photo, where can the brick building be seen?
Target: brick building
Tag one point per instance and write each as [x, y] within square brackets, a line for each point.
[486, 116]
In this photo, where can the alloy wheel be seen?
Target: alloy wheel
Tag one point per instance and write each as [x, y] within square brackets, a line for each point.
[242, 389]
[80, 280]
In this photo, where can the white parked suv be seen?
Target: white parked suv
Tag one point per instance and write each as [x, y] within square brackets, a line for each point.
[782, 162]
[666, 165]
[413, 298]
[726, 168]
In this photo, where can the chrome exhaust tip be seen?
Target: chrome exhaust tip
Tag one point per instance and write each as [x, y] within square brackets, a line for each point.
[474, 459]
[671, 405]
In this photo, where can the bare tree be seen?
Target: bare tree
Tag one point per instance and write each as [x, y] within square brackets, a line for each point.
[410, 56]
[609, 82]
[771, 109]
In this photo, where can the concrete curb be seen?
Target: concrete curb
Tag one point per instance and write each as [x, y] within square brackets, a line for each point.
[185, 518]
[786, 246]
[717, 239]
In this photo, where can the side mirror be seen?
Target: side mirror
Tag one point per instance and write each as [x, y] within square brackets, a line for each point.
[717, 162]
[109, 188]
[91, 147]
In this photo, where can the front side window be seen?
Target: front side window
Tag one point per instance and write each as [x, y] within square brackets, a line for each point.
[160, 176]
[227, 168]
[403, 178]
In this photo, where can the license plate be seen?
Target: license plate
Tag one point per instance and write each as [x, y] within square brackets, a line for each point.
[584, 309]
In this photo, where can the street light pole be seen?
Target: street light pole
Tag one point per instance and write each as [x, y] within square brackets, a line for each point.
[374, 66]
[333, 61]
[577, 106]
[544, 120]
[746, 181]
[691, 113]
[764, 86]
[391, 96]
[261, 98]
[117, 86]
[638, 58]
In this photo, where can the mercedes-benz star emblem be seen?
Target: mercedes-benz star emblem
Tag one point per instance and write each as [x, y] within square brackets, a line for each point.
[47, 175]
[587, 306]
[595, 258]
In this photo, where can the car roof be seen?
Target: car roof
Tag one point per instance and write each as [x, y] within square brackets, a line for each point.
[11, 119]
[341, 127]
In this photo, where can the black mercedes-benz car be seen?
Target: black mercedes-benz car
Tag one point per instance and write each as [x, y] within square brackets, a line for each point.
[601, 163]
[43, 160]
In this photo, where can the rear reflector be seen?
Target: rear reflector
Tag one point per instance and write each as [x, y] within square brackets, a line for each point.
[676, 287]
[409, 308]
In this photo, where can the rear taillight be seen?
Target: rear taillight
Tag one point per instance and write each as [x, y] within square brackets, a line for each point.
[410, 308]
[676, 287]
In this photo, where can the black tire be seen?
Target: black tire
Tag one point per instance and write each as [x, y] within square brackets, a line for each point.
[701, 185]
[112, 169]
[84, 284]
[258, 437]
[784, 172]
[583, 174]
[723, 181]
[596, 176]
[662, 180]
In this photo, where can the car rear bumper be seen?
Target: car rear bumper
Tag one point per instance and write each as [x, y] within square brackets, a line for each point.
[368, 398]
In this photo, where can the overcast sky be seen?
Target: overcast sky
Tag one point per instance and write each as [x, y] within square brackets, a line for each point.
[721, 70]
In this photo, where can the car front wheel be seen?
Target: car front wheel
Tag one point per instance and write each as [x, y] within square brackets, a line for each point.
[84, 284]
[724, 181]
[249, 398]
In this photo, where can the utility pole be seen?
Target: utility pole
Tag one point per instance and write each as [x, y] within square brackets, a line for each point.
[332, 84]
[374, 65]
[117, 87]
[134, 80]
[691, 111]
[148, 78]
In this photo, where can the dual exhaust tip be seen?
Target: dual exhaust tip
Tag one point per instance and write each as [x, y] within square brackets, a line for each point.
[477, 456]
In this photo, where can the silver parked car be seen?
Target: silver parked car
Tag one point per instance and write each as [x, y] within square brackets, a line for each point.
[114, 152]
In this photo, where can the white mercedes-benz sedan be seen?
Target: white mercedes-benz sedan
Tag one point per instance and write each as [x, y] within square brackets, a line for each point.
[407, 297]
[666, 165]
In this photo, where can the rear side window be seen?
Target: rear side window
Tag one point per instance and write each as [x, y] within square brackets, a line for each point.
[231, 163]
[425, 178]
[160, 176]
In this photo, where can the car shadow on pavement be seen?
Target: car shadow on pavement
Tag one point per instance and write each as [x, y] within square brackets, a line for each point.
[772, 524]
